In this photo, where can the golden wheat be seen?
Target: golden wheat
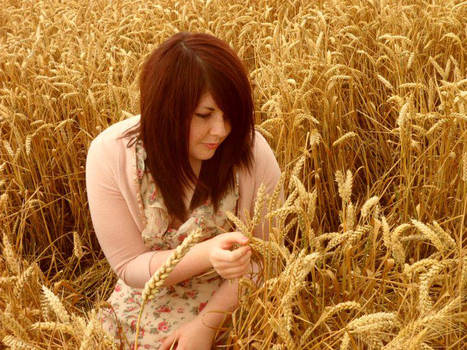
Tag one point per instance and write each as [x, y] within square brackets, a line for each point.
[12, 325]
[53, 303]
[368, 205]
[345, 185]
[429, 234]
[320, 82]
[16, 343]
[77, 245]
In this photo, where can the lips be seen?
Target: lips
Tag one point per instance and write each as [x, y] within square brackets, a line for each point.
[212, 145]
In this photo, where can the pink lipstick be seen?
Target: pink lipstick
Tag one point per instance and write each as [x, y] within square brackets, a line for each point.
[212, 145]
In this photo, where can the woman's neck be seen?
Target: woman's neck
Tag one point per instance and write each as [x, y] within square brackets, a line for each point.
[196, 166]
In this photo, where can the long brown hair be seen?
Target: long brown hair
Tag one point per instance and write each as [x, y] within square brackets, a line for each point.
[173, 79]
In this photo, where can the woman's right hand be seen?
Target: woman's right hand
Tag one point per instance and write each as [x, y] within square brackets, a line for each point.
[229, 264]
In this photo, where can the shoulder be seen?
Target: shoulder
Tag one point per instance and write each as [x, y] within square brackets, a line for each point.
[265, 170]
[110, 135]
[265, 161]
[108, 151]
[261, 147]
[109, 144]
[264, 165]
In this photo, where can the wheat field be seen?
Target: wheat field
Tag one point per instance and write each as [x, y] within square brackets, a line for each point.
[364, 103]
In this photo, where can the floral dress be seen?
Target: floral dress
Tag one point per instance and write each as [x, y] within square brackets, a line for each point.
[176, 304]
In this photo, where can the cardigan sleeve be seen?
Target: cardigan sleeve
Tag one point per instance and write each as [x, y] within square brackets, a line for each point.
[115, 228]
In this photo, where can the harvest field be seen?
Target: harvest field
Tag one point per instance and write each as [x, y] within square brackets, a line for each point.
[364, 103]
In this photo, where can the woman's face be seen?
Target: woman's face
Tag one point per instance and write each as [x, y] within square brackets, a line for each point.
[208, 129]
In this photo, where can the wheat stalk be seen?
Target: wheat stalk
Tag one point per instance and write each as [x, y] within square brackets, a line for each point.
[464, 167]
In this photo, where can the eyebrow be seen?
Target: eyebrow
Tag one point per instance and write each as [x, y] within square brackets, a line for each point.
[211, 109]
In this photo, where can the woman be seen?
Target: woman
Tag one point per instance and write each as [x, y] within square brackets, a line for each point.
[190, 156]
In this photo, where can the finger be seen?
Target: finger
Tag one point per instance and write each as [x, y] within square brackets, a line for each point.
[244, 259]
[233, 237]
[231, 256]
[224, 265]
[236, 272]
[228, 265]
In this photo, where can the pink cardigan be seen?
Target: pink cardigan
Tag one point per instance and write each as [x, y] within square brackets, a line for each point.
[116, 214]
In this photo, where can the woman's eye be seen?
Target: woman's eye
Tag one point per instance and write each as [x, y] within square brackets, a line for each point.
[202, 115]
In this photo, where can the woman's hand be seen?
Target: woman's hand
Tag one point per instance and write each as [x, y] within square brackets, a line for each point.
[192, 335]
[229, 264]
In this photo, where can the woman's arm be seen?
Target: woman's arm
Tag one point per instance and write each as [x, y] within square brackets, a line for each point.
[116, 230]
[195, 262]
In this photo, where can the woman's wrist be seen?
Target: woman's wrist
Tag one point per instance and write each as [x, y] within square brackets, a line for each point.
[204, 249]
[208, 330]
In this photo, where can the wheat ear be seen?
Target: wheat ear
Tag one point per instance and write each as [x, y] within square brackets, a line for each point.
[430, 234]
[237, 222]
[365, 211]
[16, 343]
[344, 185]
[153, 286]
[258, 209]
[11, 324]
[55, 305]
[77, 246]
[86, 342]
[10, 256]
[54, 326]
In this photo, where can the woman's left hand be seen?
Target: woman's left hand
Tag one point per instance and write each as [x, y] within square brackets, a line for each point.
[191, 335]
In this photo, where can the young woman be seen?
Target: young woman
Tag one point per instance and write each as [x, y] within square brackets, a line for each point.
[190, 156]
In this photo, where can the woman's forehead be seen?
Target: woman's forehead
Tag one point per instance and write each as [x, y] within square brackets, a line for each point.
[207, 102]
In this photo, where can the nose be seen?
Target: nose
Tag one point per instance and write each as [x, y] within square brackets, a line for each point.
[220, 126]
